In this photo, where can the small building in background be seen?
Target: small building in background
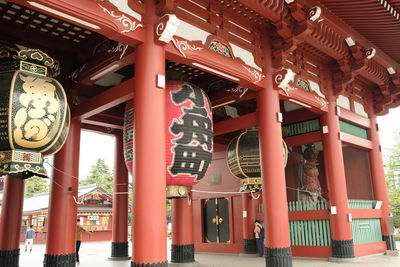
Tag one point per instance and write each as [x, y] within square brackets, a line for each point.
[94, 210]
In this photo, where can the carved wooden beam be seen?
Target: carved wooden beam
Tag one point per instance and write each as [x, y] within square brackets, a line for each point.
[105, 121]
[231, 95]
[235, 124]
[271, 9]
[114, 57]
[98, 16]
[106, 100]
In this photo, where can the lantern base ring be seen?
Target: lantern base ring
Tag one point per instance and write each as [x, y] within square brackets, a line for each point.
[177, 191]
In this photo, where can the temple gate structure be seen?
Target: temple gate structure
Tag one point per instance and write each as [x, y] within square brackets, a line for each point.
[314, 74]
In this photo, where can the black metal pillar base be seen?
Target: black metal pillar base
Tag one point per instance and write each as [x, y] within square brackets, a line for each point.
[9, 258]
[278, 257]
[390, 243]
[119, 250]
[182, 253]
[342, 248]
[159, 264]
[66, 260]
[249, 246]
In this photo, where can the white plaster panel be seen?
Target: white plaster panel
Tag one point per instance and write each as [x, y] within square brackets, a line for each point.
[343, 101]
[191, 33]
[122, 6]
[315, 88]
[245, 55]
[359, 109]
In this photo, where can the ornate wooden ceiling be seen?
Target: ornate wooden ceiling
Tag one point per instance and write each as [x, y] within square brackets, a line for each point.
[377, 20]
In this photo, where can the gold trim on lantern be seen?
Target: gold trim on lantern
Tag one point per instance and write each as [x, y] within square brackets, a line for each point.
[62, 122]
[10, 104]
[33, 68]
[58, 136]
[227, 160]
[177, 191]
[18, 156]
[285, 153]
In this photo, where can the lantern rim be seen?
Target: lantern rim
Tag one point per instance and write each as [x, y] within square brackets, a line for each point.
[30, 60]
[68, 113]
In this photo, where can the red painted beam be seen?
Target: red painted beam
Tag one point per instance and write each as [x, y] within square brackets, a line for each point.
[354, 118]
[356, 141]
[302, 139]
[365, 213]
[309, 215]
[100, 129]
[235, 124]
[200, 57]
[222, 98]
[105, 121]
[106, 63]
[106, 100]
[298, 115]
[103, 18]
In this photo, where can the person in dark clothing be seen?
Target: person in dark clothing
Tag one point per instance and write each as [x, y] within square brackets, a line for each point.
[79, 230]
[29, 235]
[259, 233]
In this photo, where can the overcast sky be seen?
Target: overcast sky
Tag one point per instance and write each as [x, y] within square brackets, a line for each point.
[387, 125]
[94, 146]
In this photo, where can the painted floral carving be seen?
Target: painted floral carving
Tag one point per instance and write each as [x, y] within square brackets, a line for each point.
[238, 89]
[257, 76]
[182, 46]
[124, 20]
[167, 27]
[321, 101]
[118, 48]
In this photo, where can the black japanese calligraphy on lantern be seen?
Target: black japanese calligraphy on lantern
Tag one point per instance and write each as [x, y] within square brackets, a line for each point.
[192, 152]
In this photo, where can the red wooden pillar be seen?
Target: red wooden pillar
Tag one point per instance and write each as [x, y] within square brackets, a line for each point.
[149, 205]
[342, 242]
[60, 245]
[276, 220]
[248, 218]
[379, 182]
[182, 247]
[119, 245]
[10, 221]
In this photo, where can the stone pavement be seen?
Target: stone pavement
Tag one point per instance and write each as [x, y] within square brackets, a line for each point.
[96, 254]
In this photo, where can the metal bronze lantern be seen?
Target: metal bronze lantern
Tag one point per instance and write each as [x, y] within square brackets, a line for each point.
[189, 136]
[243, 157]
[34, 114]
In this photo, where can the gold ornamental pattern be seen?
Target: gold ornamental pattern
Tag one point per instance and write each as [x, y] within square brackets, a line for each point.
[37, 111]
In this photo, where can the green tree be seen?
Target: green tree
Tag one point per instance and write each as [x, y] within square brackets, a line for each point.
[101, 175]
[35, 185]
[393, 183]
[168, 210]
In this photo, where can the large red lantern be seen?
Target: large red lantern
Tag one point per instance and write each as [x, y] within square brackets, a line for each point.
[189, 136]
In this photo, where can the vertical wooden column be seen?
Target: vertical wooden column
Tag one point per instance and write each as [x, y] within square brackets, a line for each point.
[60, 245]
[249, 242]
[119, 245]
[10, 221]
[342, 242]
[276, 220]
[379, 182]
[182, 247]
[149, 197]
